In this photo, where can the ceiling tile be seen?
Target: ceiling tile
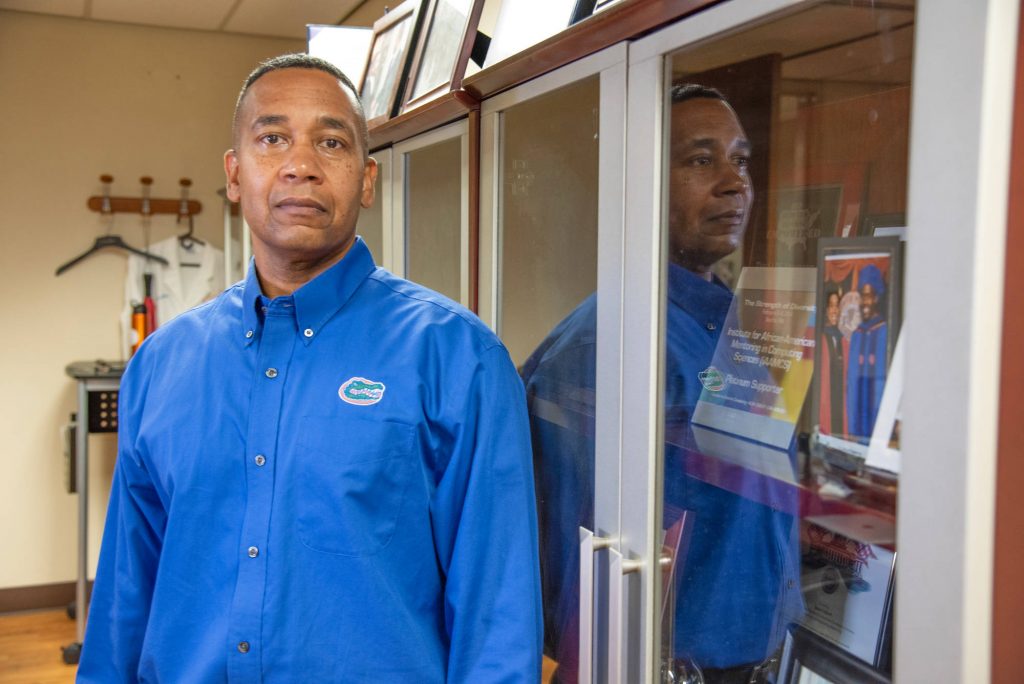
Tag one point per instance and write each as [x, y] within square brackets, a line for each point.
[286, 19]
[188, 14]
[67, 8]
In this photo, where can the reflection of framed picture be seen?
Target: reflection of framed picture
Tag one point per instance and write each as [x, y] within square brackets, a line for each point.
[857, 321]
[807, 658]
[443, 49]
[826, 204]
[387, 64]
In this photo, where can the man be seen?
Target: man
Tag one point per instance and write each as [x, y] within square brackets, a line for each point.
[735, 587]
[832, 398]
[868, 359]
[323, 474]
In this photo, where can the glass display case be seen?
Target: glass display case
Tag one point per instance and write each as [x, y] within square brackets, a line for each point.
[431, 210]
[725, 248]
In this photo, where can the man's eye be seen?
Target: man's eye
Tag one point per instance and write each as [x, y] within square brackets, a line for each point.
[272, 139]
[333, 144]
[742, 162]
[700, 161]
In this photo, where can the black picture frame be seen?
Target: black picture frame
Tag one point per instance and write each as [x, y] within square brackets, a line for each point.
[840, 261]
[805, 651]
[872, 224]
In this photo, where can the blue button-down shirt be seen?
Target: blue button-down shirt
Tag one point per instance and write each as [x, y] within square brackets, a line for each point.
[332, 486]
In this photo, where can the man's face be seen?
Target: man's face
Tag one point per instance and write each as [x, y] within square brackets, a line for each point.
[709, 183]
[832, 309]
[868, 302]
[298, 167]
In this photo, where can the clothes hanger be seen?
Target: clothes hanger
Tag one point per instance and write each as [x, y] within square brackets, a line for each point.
[108, 240]
[188, 240]
[105, 241]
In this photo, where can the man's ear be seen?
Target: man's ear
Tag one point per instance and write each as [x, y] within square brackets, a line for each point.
[231, 173]
[369, 183]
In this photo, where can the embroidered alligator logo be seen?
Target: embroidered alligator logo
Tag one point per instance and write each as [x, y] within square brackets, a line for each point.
[361, 392]
[712, 379]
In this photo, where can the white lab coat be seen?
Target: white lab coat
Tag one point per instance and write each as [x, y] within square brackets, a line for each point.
[176, 287]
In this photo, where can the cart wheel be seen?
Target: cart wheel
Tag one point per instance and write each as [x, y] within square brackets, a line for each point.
[71, 610]
[71, 653]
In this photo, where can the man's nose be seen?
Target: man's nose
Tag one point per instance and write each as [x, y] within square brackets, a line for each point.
[302, 165]
[731, 179]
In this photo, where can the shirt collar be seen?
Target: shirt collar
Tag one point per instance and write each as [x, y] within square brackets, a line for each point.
[695, 295]
[316, 301]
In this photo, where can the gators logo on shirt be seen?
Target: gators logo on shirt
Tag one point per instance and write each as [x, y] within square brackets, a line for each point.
[712, 379]
[361, 392]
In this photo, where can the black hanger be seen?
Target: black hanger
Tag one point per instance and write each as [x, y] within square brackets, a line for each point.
[189, 239]
[105, 241]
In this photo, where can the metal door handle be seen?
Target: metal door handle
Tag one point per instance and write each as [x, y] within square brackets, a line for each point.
[589, 545]
[617, 577]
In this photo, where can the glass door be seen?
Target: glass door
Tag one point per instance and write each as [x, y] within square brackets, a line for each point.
[550, 274]
[769, 367]
[431, 216]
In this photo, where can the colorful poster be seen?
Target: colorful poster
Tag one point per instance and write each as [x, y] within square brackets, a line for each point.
[758, 378]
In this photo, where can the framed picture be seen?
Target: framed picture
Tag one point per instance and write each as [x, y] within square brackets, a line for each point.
[885, 225]
[827, 203]
[524, 23]
[388, 62]
[857, 322]
[443, 50]
[809, 659]
[847, 573]
[601, 5]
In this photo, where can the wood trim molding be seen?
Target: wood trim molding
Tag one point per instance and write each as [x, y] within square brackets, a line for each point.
[57, 595]
[437, 112]
[1008, 580]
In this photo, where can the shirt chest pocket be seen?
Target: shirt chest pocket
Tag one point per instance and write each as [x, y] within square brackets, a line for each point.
[352, 477]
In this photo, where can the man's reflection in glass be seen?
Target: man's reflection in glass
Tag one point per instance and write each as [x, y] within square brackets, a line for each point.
[736, 587]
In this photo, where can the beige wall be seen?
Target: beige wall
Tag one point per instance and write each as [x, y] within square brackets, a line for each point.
[77, 99]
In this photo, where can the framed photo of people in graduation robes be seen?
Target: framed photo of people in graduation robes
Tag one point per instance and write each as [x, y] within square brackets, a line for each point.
[856, 325]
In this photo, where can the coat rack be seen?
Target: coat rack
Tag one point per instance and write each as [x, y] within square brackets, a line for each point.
[145, 205]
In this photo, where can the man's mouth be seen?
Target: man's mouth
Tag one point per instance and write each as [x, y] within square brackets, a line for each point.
[300, 205]
[733, 216]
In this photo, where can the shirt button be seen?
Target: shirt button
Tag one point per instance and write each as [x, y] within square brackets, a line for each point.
[271, 373]
[253, 552]
[711, 326]
[243, 646]
[260, 459]
[308, 332]
[248, 334]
